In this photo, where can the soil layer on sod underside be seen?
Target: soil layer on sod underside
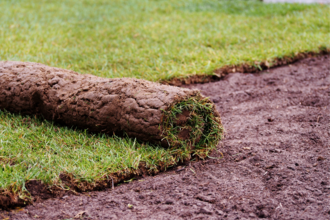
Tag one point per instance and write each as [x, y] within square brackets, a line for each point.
[275, 165]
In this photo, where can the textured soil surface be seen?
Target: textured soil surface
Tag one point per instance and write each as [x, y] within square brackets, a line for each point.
[276, 162]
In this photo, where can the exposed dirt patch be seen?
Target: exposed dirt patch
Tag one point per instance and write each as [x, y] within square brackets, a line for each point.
[276, 160]
[182, 118]
[184, 134]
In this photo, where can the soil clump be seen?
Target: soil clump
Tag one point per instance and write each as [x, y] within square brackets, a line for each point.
[274, 162]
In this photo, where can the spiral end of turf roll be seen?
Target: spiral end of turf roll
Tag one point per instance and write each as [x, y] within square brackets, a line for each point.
[192, 126]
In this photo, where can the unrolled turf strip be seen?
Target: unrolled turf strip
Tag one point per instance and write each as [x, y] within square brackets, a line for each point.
[114, 106]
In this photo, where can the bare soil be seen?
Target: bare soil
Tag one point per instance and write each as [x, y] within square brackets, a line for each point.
[275, 164]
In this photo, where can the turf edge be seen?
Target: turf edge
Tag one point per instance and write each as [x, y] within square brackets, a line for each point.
[250, 67]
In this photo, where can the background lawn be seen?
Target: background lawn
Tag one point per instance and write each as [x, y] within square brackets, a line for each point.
[153, 40]
[157, 40]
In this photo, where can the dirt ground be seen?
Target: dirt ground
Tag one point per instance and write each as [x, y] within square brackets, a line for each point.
[276, 162]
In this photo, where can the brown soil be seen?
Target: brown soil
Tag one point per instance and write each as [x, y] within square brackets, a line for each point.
[276, 162]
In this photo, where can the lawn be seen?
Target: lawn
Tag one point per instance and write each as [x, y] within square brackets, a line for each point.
[153, 40]
[31, 148]
[157, 40]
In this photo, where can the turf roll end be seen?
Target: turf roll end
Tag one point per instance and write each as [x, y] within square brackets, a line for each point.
[191, 125]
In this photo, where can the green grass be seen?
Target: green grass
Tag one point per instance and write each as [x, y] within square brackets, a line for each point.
[35, 149]
[157, 40]
[153, 40]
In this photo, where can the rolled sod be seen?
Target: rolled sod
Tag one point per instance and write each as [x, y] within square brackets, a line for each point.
[171, 116]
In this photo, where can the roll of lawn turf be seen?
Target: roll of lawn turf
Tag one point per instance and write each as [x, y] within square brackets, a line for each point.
[146, 110]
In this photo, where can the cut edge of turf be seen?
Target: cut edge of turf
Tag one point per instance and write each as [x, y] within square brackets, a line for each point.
[37, 190]
[245, 67]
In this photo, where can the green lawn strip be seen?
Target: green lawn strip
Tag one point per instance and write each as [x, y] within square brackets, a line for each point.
[157, 40]
[37, 149]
